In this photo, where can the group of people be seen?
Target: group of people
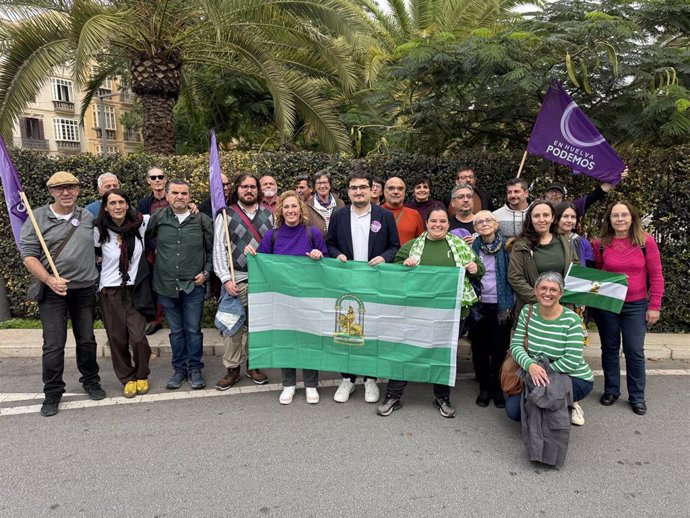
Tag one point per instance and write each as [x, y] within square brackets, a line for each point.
[158, 258]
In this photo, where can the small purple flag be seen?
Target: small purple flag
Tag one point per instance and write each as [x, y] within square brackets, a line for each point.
[215, 180]
[564, 134]
[12, 187]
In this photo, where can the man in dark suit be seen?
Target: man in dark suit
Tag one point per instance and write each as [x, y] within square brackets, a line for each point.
[361, 232]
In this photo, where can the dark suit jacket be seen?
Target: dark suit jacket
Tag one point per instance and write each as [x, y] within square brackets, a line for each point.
[385, 242]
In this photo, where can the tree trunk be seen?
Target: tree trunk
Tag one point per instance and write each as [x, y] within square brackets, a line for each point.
[158, 128]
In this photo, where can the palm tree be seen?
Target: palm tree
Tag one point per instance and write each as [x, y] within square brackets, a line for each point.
[295, 48]
[402, 25]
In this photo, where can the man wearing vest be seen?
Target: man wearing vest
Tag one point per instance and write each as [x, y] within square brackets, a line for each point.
[247, 224]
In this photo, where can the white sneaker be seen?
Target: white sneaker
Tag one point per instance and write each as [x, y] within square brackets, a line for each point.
[578, 417]
[371, 391]
[344, 390]
[286, 395]
[313, 395]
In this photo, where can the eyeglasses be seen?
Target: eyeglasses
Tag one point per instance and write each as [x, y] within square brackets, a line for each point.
[322, 182]
[248, 187]
[466, 178]
[480, 222]
[359, 187]
[62, 188]
[464, 197]
[157, 177]
[226, 184]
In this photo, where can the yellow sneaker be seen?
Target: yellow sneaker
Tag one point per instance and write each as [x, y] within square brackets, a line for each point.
[142, 387]
[130, 389]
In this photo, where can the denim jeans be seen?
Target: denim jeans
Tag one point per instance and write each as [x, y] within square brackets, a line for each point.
[184, 318]
[631, 324]
[78, 305]
[581, 389]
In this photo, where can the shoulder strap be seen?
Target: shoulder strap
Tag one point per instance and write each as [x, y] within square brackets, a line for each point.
[529, 315]
[247, 222]
[68, 236]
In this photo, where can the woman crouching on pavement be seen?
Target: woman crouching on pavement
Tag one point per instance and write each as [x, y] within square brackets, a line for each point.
[124, 289]
[553, 332]
[294, 236]
[436, 247]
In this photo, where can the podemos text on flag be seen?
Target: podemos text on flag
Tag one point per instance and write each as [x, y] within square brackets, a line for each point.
[389, 321]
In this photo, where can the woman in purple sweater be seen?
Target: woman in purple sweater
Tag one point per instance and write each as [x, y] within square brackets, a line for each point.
[294, 236]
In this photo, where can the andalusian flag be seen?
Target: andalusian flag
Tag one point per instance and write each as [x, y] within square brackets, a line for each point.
[595, 288]
[389, 321]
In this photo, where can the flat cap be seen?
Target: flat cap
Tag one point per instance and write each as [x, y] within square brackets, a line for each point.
[555, 187]
[62, 178]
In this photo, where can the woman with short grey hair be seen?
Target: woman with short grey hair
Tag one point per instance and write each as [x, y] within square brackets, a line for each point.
[549, 330]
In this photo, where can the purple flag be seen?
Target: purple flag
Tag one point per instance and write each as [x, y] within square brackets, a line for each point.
[12, 187]
[564, 134]
[214, 178]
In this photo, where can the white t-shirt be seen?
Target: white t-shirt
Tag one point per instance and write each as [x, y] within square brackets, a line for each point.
[110, 270]
[359, 225]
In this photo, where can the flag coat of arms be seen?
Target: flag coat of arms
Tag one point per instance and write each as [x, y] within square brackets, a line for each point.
[595, 288]
[564, 134]
[388, 322]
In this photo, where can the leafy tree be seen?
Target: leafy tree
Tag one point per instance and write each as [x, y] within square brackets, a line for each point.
[626, 65]
[293, 47]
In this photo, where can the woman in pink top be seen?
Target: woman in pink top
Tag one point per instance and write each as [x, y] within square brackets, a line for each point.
[624, 247]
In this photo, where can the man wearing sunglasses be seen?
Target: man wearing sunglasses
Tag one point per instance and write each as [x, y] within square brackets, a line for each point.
[68, 234]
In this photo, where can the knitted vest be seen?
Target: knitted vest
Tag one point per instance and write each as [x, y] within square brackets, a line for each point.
[241, 236]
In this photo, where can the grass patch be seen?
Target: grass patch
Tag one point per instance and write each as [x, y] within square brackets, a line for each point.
[32, 323]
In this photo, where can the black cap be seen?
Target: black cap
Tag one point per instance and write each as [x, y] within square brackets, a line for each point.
[555, 187]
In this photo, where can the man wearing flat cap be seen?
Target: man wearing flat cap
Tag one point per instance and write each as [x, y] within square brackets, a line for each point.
[68, 234]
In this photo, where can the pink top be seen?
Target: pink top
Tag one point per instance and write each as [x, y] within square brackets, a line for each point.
[624, 257]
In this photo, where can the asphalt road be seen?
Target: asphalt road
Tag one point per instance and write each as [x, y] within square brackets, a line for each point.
[244, 454]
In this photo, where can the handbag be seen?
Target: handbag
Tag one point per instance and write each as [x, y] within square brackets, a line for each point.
[511, 383]
[36, 288]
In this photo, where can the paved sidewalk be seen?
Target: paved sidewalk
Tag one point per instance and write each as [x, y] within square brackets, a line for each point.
[27, 343]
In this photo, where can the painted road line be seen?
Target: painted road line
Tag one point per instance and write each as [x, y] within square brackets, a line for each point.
[191, 394]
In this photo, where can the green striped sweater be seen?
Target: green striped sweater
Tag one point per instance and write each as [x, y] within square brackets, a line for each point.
[559, 340]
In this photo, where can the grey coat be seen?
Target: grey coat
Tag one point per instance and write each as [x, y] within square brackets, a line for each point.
[545, 416]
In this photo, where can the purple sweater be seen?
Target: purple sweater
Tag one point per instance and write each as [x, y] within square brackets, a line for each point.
[292, 241]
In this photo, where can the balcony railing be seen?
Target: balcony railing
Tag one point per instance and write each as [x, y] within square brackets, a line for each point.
[63, 106]
[37, 144]
[109, 134]
[68, 146]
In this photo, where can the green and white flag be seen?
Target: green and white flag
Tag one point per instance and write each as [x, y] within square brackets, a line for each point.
[595, 288]
[389, 321]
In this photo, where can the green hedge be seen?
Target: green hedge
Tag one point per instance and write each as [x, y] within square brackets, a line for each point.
[659, 185]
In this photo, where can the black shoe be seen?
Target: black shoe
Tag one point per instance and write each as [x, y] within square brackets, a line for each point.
[608, 399]
[639, 408]
[50, 405]
[95, 391]
[483, 398]
[153, 328]
[499, 400]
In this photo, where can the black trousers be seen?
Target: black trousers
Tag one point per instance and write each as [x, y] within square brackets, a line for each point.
[79, 306]
[490, 340]
[394, 390]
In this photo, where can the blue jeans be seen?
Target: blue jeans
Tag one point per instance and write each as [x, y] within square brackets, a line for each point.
[78, 305]
[581, 389]
[631, 324]
[184, 318]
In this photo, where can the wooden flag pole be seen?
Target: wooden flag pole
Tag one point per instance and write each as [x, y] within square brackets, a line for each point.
[522, 164]
[227, 242]
[38, 233]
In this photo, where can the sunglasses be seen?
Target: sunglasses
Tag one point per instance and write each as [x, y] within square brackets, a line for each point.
[157, 177]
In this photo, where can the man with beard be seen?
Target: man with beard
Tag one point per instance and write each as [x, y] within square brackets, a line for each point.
[68, 234]
[481, 200]
[462, 200]
[361, 232]
[248, 221]
[512, 215]
[269, 192]
[408, 221]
